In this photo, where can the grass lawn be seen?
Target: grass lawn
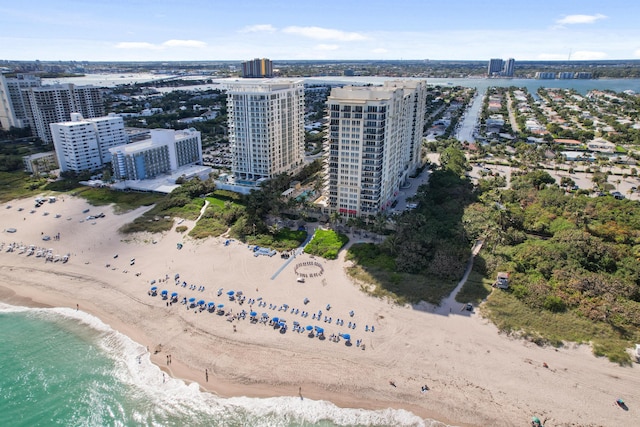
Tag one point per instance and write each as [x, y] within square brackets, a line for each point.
[283, 240]
[18, 185]
[123, 201]
[544, 327]
[326, 243]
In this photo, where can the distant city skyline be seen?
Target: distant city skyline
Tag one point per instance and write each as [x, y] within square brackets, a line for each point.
[192, 30]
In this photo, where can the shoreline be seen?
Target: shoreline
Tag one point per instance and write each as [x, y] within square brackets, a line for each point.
[476, 375]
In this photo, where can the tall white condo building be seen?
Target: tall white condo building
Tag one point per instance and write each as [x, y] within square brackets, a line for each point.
[83, 144]
[266, 127]
[374, 144]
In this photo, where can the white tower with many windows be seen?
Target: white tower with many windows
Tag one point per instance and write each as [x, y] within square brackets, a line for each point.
[83, 144]
[266, 127]
[374, 143]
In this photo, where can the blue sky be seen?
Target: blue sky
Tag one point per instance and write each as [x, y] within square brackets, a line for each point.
[165, 30]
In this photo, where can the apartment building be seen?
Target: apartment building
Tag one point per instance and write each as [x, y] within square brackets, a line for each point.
[374, 144]
[164, 152]
[13, 112]
[83, 144]
[54, 104]
[257, 68]
[266, 127]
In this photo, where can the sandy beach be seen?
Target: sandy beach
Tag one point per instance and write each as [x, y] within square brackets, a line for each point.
[476, 376]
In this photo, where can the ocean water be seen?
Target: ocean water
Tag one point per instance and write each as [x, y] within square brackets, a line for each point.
[61, 367]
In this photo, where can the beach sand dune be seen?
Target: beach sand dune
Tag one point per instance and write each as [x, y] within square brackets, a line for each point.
[475, 375]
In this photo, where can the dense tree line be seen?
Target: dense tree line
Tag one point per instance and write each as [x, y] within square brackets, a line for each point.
[565, 253]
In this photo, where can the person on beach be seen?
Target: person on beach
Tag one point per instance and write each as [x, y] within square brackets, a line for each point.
[206, 375]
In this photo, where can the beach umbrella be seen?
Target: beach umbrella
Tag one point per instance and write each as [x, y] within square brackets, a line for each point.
[276, 319]
[192, 299]
[319, 330]
[174, 294]
[154, 288]
[220, 305]
[230, 293]
[164, 292]
[282, 324]
[201, 302]
[346, 336]
[253, 314]
[211, 304]
[309, 327]
[265, 315]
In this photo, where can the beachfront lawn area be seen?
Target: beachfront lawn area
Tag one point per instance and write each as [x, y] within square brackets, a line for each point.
[122, 201]
[326, 243]
[283, 240]
[377, 273]
[544, 327]
[18, 185]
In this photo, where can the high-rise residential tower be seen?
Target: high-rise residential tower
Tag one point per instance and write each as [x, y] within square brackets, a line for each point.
[83, 144]
[13, 112]
[496, 66]
[509, 67]
[374, 143]
[266, 127]
[54, 104]
[257, 68]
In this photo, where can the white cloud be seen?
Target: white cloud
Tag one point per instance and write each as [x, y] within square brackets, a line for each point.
[327, 47]
[184, 43]
[588, 55]
[581, 19]
[260, 28]
[167, 44]
[319, 33]
[136, 45]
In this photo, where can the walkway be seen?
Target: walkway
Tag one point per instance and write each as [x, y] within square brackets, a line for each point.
[297, 252]
[450, 303]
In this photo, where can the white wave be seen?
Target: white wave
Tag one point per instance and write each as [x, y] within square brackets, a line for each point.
[168, 397]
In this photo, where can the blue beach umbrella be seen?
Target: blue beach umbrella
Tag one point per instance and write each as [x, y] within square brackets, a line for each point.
[174, 294]
[220, 305]
[309, 327]
[154, 288]
[253, 314]
[230, 293]
[346, 337]
[201, 302]
[164, 292]
[319, 330]
[211, 304]
[282, 324]
[192, 299]
[276, 319]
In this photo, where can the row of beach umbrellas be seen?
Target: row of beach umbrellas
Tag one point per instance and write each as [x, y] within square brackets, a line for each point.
[280, 322]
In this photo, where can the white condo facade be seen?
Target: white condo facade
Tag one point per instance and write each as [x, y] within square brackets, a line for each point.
[266, 127]
[13, 112]
[83, 144]
[164, 152]
[374, 144]
[56, 103]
